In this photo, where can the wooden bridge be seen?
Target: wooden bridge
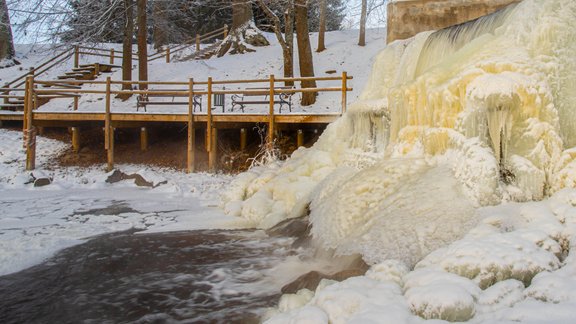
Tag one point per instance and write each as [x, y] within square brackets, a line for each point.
[210, 120]
[26, 99]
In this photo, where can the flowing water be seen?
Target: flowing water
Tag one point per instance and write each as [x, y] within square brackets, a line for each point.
[208, 276]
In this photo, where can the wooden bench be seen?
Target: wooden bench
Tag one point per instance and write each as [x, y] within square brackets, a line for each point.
[143, 100]
[281, 99]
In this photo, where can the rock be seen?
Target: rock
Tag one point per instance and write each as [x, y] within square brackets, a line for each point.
[116, 176]
[311, 279]
[39, 179]
[292, 227]
[41, 182]
[139, 180]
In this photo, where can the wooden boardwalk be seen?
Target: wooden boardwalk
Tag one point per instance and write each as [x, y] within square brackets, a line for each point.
[39, 91]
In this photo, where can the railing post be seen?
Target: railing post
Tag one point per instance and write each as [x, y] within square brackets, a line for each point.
[108, 132]
[76, 56]
[29, 132]
[209, 129]
[112, 53]
[225, 31]
[190, 160]
[197, 43]
[344, 91]
[271, 125]
[167, 54]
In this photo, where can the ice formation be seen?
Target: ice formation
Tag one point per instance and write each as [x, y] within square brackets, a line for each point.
[449, 121]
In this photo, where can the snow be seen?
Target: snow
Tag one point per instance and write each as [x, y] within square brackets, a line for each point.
[35, 223]
[410, 178]
[447, 126]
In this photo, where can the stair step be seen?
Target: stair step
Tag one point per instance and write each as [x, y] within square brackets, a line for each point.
[64, 77]
[101, 65]
[86, 69]
[79, 73]
[62, 85]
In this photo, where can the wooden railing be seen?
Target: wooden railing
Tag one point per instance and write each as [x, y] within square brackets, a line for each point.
[187, 89]
[111, 54]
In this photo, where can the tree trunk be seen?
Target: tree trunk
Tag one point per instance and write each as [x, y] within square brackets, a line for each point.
[304, 51]
[142, 44]
[159, 32]
[6, 41]
[289, 36]
[127, 44]
[241, 13]
[238, 37]
[362, 38]
[322, 29]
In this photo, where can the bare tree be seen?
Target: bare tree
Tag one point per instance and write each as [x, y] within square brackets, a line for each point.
[322, 29]
[7, 51]
[142, 43]
[305, 59]
[363, 16]
[286, 41]
[160, 38]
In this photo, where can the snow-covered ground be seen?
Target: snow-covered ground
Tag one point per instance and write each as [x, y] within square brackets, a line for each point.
[415, 211]
[36, 222]
[342, 55]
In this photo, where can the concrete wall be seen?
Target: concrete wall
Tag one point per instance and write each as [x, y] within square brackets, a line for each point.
[407, 18]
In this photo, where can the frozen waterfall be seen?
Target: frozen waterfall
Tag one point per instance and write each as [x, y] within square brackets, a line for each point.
[451, 120]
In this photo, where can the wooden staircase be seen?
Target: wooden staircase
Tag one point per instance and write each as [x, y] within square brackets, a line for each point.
[202, 54]
[88, 71]
[14, 101]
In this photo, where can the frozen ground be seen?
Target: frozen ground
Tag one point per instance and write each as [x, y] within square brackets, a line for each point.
[37, 222]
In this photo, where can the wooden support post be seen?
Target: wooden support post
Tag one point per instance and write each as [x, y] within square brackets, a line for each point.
[209, 116]
[110, 152]
[76, 103]
[300, 138]
[96, 69]
[243, 139]
[167, 54]
[143, 139]
[344, 90]
[225, 31]
[108, 132]
[112, 53]
[271, 125]
[197, 43]
[76, 56]
[29, 132]
[213, 154]
[191, 149]
[76, 139]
